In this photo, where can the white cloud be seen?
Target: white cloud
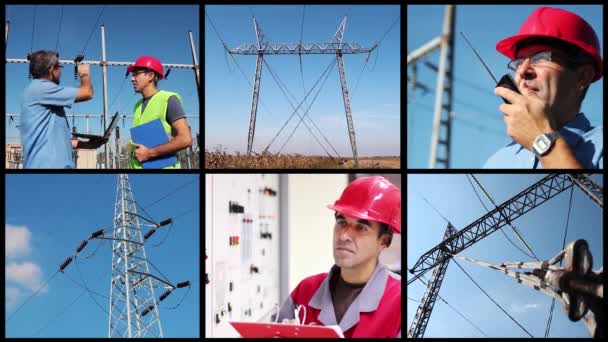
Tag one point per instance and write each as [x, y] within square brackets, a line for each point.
[13, 295]
[17, 241]
[26, 274]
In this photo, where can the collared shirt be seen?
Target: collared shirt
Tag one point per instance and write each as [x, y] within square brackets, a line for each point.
[585, 141]
[45, 134]
[375, 312]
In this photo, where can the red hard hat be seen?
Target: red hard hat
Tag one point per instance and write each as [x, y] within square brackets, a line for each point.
[148, 62]
[372, 198]
[548, 22]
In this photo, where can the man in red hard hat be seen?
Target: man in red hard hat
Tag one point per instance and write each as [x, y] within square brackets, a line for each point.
[359, 294]
[157, 104]
[555, 57]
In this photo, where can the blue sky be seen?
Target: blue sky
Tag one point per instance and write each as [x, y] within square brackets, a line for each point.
[478, 125]
[543, 228]
[58, 212]
[375, 102]
[130, 30]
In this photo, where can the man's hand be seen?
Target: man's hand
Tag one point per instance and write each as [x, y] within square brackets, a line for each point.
[142, 153]
[526, 117]
[83, 69]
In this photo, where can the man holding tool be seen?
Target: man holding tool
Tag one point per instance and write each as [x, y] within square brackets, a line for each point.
[44, 130]
[157, 104]
[359, 294]
[555, 57]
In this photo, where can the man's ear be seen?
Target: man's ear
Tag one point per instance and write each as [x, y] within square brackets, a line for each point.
[585, 76]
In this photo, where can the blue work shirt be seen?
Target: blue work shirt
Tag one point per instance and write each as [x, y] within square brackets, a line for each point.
[45, 133]
[585, 141]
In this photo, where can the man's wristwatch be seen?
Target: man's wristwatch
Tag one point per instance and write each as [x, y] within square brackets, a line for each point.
[543, 143]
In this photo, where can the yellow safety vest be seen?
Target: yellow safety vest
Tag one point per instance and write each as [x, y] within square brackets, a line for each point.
[155, 109]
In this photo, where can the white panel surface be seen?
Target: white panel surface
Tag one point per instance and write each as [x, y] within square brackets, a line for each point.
[242, 245]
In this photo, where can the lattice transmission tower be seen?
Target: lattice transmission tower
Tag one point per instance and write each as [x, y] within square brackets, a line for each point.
[133, 304]
[336, 46]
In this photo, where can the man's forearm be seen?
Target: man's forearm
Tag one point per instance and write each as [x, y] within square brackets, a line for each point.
[560, 157]
[173, 146]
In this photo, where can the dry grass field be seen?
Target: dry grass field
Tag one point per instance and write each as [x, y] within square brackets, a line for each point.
[219, 159]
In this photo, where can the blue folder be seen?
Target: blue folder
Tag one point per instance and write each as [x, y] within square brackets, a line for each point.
[152, 134]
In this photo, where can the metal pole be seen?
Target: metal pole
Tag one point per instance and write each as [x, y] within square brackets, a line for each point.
[6, 34]
[117, 153]
[189, 151]
[104, 69]
[195, 61]
[441, 75]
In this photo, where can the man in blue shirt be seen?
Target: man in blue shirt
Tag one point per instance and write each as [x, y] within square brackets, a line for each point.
[554, 58]
[45, 134]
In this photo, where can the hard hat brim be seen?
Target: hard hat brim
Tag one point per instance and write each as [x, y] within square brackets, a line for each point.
[360, 215]
[131, 68]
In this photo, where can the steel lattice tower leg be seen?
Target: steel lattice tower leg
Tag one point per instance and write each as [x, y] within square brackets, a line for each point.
[130, 292]
[349, 118]
[423, 313]
[254, 102]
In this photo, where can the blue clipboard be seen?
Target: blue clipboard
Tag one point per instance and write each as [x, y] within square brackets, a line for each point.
[152, 134]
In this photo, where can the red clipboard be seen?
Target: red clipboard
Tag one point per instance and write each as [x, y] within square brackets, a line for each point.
[273, 330]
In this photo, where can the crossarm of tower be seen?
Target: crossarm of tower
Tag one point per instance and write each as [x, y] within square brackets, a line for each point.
[155, 277]
[313, 48]
[530, 198]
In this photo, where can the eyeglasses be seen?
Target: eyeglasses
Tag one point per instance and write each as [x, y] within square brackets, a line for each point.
[59, 66]
[535, 59]
[135, 73]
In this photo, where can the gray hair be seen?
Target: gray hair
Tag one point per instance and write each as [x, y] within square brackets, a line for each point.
[41, 61]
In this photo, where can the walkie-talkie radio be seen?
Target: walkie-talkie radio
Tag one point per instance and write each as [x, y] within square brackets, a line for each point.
[505, 81]
[77, 60]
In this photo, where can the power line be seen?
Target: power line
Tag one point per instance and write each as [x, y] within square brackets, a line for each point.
[519, 235]
[330, 65]
[56, 316]
[456, 310]
[305, 113]
[33, 26]
[32, 296]
[172, 192]
[216, 31]
[480, 127]
[500, 307]
[486, 208]
[235, 62]
[429, 203]
[93, 29]
[388, 30]
[59, 30]
[87, 288]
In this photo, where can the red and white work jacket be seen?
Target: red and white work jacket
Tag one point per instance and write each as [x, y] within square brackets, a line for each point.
[376, 312]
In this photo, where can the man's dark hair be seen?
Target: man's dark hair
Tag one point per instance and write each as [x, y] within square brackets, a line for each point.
[385, 230]
[575, 56]
[41, 61]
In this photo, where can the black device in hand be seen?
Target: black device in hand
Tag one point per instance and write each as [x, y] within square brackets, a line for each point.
[77, 60]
